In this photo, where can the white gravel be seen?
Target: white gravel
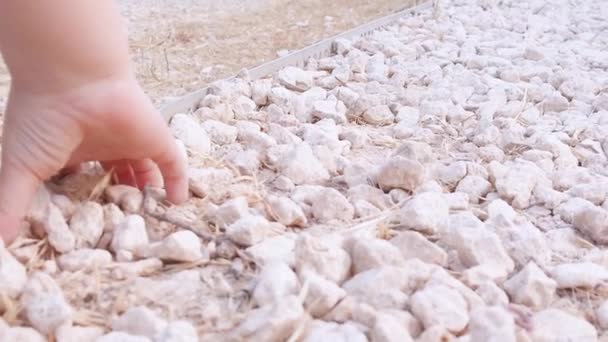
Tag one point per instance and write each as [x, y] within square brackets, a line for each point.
[441, 179]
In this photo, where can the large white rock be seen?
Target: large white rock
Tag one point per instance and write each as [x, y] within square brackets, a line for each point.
[555, 325]
[389, 329]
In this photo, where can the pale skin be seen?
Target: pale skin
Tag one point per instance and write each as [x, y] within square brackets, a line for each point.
[74, 98]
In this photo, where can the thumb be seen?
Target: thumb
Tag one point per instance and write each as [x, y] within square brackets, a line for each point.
[17, 189]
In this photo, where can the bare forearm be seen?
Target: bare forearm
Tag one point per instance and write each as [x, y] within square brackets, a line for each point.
[62, 42]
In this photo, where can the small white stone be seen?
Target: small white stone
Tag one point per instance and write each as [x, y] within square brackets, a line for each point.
[592, 221]
[371, 253]
[579, 275]
[294, 78]
[556, 325]
[440, 305]
[181, 246]
[478, 246]
[87, 224]
[328, 109]
[58, 232]
[321, 331]
[252, 229]
[457, 201]
[130, 235]
[45, 306]
[389, 329]
[13, 275]
[66, 333]
[380, 115]
[492, 324]
[84, 258]
[231, 211]
[220, 133]
[450, 174]
[208, 181]
[426, 212]
[302, 167]
[391, 295]
[178, 331]
[322, 295]
[555, 103]
[408, 116]
[185, 128]
[491, 294]
[601, 314]
[260, 90]
[400, 173]
[322, 257]
[275, 281]
[286, 212]
[276, 248]
[358, 139]
[332, 205]
[129, 198]
[272, 322]
[414, 245]
[533, 53]
[65, 205]
[113, 217]
[475, 186]
[139, 321]
[22, 334]
[117, 336]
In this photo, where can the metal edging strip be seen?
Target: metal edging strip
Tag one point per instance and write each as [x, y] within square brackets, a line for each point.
[323, 48]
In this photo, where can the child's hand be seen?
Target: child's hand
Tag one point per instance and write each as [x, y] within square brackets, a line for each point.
[110, 120]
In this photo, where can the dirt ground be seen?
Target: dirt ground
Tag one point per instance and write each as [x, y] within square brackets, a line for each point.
[178, 46]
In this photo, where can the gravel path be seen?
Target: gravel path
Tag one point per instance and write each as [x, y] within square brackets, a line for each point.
[443, 179]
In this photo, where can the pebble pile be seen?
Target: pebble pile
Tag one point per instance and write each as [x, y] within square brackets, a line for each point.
[444, 179]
